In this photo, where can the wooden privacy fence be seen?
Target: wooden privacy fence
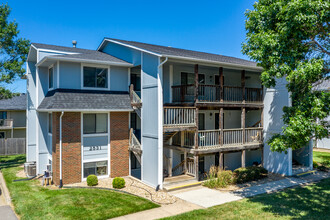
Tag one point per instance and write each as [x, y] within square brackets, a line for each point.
[12, 146]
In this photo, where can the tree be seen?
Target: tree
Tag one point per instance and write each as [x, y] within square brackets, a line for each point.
[291, 39]
[13, 50]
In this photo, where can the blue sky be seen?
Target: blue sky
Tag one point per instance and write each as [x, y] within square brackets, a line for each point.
[210, 26]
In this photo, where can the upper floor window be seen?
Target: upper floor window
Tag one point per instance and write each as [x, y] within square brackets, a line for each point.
[95, 123]
[95, 77]
[3, 115]
[51, 78]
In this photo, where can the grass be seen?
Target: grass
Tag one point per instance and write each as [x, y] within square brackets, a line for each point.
[309, 202]
[32, 201]
[322, 157]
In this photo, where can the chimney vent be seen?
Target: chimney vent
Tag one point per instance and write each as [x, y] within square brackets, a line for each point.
[74, 43]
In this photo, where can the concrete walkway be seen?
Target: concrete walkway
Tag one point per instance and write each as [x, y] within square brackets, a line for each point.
[6, 211]
[202, 197]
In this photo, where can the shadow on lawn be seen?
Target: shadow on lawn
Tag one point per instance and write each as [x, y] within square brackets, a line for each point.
[310, 202]
[12, 161]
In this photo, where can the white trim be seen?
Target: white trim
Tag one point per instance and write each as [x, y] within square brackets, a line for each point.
[58, 74]
[50, 67]
[37, 116]
[85, 110]
[130, 46]
[54, 58]
[82, 65]
[141, 141]
[55, 51]
[96, 134]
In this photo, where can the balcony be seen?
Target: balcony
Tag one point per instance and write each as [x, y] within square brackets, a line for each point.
[6, 123]
[214, 139]
[214, 94]
[179, 118]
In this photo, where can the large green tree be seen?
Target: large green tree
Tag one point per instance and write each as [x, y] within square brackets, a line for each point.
[13, 51]
[291, 39]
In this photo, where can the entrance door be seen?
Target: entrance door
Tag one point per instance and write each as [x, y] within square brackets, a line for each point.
[201, 121]
[201, 167]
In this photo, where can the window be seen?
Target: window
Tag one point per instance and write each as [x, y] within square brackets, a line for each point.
[95, 123]
[99, 168]
[50, 123]
[3, 115]
[50, 77]
[2, 134]
[95, 77]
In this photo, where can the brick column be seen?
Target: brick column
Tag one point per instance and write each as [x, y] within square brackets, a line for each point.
[119, 154]
[71, 147]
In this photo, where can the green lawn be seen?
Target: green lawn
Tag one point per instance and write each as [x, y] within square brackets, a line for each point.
[310, 202]
[322, 157]
[33, 201]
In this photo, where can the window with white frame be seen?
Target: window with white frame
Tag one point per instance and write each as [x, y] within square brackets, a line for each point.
[95, 123]
[50, 123]
[95, 77]
[99, 168]
[51, 78]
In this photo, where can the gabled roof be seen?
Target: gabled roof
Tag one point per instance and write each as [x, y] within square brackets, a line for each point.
[15, 103]
[85, 100]
[183, 53]
[79, 54]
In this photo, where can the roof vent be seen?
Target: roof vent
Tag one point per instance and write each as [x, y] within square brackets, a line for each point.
[74, 43]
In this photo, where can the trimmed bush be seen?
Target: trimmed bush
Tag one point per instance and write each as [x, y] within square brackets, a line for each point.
[219, 178]
[118, 183]
[247, 174]
[92, 180]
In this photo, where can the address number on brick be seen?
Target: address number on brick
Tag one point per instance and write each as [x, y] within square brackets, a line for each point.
[93, 148]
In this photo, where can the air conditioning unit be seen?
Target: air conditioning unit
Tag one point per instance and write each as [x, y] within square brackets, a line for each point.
[30, 169]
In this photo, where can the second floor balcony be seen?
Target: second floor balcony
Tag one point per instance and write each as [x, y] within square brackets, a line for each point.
[6, 123]
[216, 94]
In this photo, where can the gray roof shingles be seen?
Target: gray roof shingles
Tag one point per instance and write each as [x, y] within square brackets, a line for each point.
[171, 51]
[81, 53]
[69, 99]
[15, 103]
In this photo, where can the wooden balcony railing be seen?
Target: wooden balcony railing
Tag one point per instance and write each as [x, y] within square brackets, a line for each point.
[135, 98]
[212, 93]
[8, 123]
[179, 116]
[218, 138]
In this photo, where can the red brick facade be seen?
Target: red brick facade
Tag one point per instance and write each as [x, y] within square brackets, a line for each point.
[71, 146]
[119, 134]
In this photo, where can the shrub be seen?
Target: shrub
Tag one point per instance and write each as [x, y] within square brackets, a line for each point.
[243, 175]
[219, 178]
[118, 183]
[315, 164]
[92, 180]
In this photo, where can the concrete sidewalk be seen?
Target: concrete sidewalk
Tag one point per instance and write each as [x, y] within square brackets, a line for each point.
[202, 197]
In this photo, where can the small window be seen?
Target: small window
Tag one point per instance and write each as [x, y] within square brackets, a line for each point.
[95, 123]
[99, 168]
[3, 115]
[50, 123]
[2, 134]
[95, 77]
[50, 77]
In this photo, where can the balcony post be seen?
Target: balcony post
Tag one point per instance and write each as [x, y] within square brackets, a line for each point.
[243, 85]
[243, 125]
[221, 157]
[196, 83]
[196, 166]
[131, 89]
[185, 162]
[221, 126]
[243, 158]
[221, 83]
[196, 131]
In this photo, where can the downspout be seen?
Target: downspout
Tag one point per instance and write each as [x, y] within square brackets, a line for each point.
[61, 183]
[160, 131]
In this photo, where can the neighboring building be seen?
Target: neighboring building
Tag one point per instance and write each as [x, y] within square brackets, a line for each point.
[325, 142]
[150, 111]
[13, 117]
